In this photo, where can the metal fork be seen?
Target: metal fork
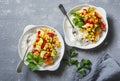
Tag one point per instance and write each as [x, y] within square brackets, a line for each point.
[20, 64]
[61, 7]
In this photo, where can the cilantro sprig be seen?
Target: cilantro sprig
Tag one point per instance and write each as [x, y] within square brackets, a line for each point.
[33, 62]
[78, 20]
[82, 66]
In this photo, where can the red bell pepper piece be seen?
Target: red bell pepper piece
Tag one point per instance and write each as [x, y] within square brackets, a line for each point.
[87, 21]
[102, 26]
[37, 40]
[43, 44]
[38, 32]
[96, 15]
[50, 34]
[46, 55]
[34, 50]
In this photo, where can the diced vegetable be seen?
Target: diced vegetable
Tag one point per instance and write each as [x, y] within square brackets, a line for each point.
[44, 48]
[50, 34]
[42, 53]
[49, 61]
[46, 55]
[90, 23]
[102, 26]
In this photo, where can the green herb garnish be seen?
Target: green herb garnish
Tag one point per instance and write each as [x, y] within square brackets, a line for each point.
[81, 66]
[75, 21]
[74, 14]
[82, 71]
[85, 62]
[32, 66]
[73, 61]
[80, 24]
[78, 65]
[78, 20]
[72, 52]
[33, 62]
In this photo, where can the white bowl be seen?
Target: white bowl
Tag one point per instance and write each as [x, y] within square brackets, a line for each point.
[68, 32]
[29, 29]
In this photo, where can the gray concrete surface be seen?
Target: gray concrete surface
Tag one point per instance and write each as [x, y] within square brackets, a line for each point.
[16, 14]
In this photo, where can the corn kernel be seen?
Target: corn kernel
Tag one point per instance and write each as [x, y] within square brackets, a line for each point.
[96, 25]
[33, 43]
[89, 29]
[91, 8]
[58, 44]
[47, 40]
[36, 54]
[37, 43]
[51, 49]
[91, 25]
[89, 36]
[80, 14]
[53, 44]
[94, 17]
[93, 36]
[53, 53]
[91, 33]
[93, 30]
[96, 21]
[44, 48]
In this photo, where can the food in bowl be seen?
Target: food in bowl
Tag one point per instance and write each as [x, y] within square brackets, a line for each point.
[45, 48]
[89, 25]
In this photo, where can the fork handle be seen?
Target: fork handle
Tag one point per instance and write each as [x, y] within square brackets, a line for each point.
[61, 7]
[19, 66]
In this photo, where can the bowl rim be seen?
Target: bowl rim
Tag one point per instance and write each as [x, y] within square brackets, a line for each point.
[106, 22]
[30, 27]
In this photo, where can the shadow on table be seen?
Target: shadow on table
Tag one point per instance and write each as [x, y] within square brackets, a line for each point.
[108, 41]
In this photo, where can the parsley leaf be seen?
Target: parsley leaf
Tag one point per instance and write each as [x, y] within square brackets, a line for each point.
[87, 66]
[74, 14]
[82, 71]
[73, 61]
[34, 62]
[75, 21]
[85, 62]
[30, 55]
[67, 61]
[40, 62]
[78, 65]
[72, 53]
[82, 67]
[80, 24]
[33, 66]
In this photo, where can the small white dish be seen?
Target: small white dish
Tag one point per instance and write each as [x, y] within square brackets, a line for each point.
[29, 29]
[67, 28]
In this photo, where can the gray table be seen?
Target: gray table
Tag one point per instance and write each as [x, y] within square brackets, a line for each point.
[16, 14]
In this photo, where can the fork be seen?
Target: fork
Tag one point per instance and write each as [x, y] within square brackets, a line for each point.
[61, 7]
[20, 64]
